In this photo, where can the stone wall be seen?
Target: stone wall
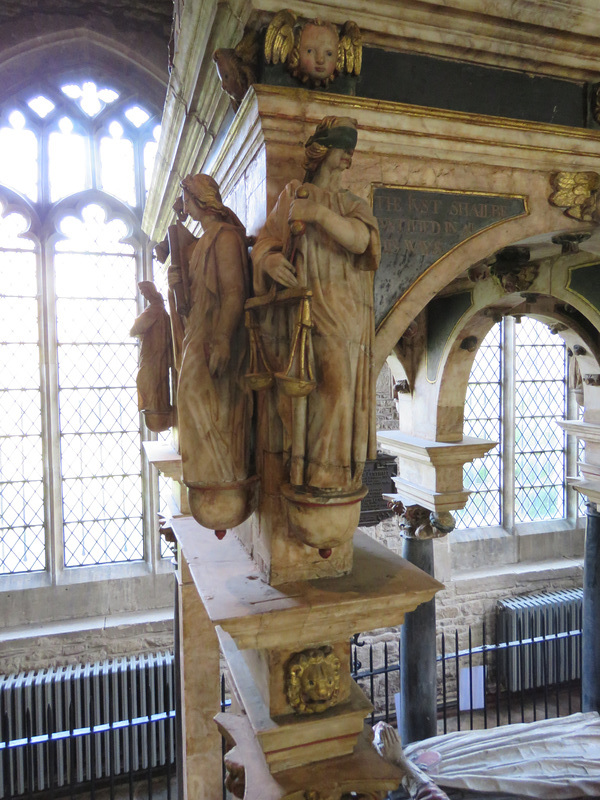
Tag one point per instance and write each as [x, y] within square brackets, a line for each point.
[387, 413]
[468, 600]
[76, 643]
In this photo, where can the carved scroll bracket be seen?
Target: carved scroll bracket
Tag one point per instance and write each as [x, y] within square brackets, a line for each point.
[417, 522]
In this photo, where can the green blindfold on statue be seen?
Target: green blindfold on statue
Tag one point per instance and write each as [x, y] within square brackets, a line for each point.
[342, 138]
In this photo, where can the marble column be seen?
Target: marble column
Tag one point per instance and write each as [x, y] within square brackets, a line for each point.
[418, 710]
[588, 484]
[590, 674]
[429, 485]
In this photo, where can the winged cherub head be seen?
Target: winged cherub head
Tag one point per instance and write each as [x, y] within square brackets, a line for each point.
[315, 54]
[314, 51]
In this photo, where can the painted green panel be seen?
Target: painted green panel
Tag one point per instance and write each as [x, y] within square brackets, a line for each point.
[443, 314]
[420, 226]
[585, 282]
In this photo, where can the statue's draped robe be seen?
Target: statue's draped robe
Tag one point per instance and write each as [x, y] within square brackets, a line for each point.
[214, 412]
[553, 758]
[153, 382]
[340, 410]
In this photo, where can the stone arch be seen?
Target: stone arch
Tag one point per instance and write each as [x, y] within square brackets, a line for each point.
[571, 321]
[541, 221]
[141, 59]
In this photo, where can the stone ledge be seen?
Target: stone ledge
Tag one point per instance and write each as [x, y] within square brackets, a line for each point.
[551, 567]
[86, 624]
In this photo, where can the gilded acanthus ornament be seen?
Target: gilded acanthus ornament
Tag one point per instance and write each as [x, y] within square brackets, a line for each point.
[312, 680]
[576, 192]
[313, 51]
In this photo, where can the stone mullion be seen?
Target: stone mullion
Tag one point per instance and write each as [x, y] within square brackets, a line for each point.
[571, 447]
[507, 425]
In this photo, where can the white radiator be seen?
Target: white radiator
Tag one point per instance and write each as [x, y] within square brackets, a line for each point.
[116, 696]
[536, 664]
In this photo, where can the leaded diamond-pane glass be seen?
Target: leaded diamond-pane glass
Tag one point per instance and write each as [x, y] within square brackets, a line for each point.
[97, 362]
[22, 542]
[540, 391]
[482, 420]
[581, 498]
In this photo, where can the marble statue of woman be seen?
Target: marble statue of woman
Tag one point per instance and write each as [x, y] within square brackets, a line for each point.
[214, 407]
[153, 379]
[335, 259]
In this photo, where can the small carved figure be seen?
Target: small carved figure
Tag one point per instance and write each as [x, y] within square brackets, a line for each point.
[214, 408]
[313, 52]
[236, 68]
[176, 244]
[313, 680]
[153, 379]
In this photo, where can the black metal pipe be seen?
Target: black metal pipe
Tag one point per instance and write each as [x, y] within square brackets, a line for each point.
[590, 671]
[418, 674]
[444, 697]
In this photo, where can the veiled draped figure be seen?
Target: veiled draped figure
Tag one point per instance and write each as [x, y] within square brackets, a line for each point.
[214, 407]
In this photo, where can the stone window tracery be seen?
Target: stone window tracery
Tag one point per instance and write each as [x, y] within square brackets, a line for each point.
[77, 158]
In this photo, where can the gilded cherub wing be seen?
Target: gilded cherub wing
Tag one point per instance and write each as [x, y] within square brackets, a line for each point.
[247, 48]
[279, 39]
[575, 191]
[350, 49]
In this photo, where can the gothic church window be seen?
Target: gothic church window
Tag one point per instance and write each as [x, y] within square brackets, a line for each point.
[77, 158]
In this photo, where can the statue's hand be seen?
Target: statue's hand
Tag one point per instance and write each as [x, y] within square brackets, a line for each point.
[305, 210]
[279, 268]
[220, 353]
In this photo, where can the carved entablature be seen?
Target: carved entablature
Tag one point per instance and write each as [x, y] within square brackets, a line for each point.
[312, 680]
[577, 193]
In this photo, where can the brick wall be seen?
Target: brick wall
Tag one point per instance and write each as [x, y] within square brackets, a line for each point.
[387, 414]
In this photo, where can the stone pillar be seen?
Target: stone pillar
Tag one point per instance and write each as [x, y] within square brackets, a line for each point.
[590, 676]
[588, 484]
[418, 656]
[429, 485]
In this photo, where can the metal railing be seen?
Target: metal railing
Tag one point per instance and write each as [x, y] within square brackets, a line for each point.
[473, 692]
[474, 680]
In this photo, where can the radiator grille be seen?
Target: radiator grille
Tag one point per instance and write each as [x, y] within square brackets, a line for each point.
[131, 700]
[547, 614]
